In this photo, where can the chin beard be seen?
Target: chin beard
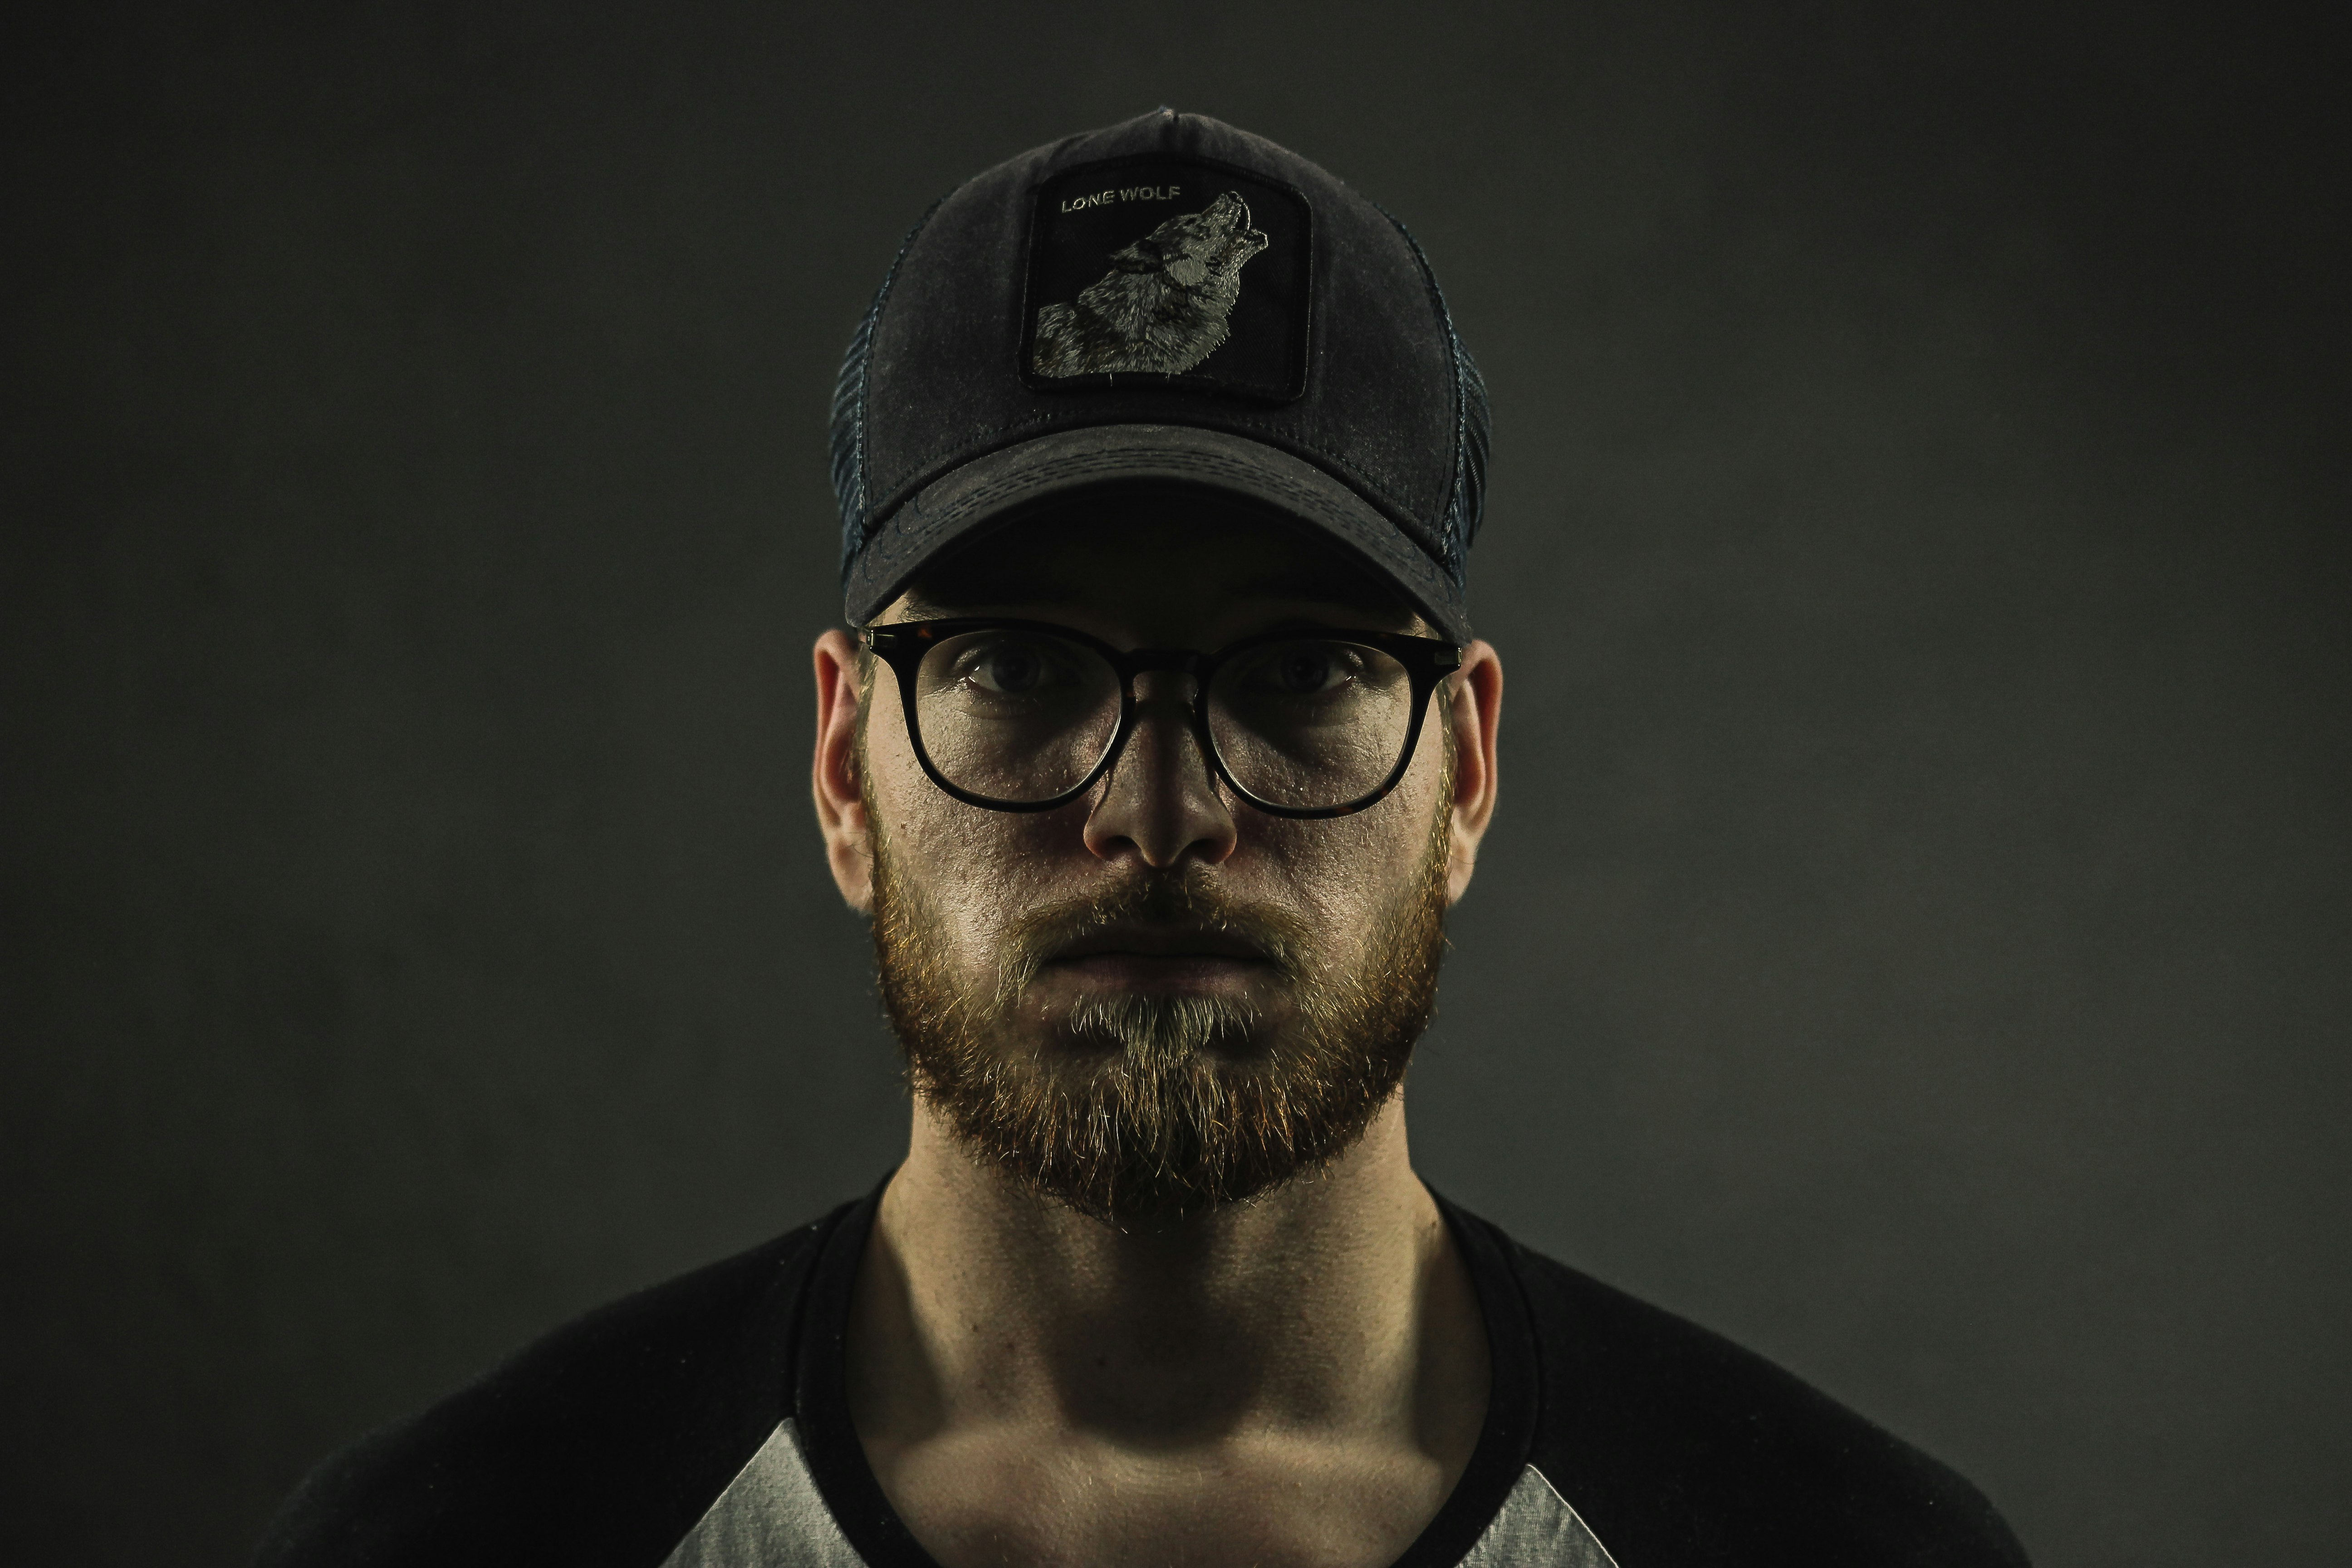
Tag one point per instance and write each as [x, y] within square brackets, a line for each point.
[1139, 1108]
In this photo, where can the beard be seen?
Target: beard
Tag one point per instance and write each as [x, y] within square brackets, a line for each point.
[1140, 1107]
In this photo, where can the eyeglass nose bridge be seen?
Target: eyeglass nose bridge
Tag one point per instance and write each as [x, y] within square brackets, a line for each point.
[1144, 661]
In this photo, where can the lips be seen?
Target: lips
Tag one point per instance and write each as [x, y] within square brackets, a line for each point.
[1160, 942]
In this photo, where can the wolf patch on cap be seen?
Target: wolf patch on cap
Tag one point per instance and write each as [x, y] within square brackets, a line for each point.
[1163, 305]
[1181, 272]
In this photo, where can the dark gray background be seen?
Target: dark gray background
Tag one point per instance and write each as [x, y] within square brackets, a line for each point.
[1915, 936]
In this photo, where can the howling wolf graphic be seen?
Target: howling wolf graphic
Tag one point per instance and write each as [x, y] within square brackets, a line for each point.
[1163, 306]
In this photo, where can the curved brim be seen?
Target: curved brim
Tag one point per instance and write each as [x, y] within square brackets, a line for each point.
[1016, 476]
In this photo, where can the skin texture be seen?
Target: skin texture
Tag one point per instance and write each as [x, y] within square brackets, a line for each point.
[1298, 1379]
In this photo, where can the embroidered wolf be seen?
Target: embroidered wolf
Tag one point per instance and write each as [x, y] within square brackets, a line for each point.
[1163, 306]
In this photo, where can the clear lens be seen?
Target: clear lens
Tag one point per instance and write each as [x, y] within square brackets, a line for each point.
[1312, 722]
[1016, 716]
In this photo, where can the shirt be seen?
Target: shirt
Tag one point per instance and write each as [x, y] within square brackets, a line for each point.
[704, 1424]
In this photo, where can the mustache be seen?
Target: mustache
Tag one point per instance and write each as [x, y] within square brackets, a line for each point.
[1176, 903]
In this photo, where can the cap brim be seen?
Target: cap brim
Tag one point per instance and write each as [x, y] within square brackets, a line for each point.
[1016, 476]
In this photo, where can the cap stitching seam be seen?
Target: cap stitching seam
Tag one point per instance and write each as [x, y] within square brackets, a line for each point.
[1453, 524]
[854, 502]
[1380, 491]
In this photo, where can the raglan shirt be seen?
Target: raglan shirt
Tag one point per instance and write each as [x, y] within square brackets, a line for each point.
[704, 1424]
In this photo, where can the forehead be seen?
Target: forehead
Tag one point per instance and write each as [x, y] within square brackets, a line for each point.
[1166, 565]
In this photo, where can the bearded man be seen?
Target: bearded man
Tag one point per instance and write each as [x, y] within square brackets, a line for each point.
[1160, 750]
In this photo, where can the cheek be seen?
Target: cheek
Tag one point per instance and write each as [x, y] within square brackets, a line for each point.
[973, 869]
[1345, 874]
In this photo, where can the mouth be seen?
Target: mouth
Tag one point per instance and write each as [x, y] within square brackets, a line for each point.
[1161, 957]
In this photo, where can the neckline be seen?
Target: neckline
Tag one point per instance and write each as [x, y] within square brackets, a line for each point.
[836, 1461]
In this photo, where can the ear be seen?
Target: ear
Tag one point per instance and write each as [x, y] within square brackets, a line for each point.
[836, 776]
[1477, 713]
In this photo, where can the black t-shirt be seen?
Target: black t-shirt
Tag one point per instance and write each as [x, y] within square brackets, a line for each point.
[705, 1423]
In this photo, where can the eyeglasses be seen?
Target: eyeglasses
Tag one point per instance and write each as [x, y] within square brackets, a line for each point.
[1026, 715]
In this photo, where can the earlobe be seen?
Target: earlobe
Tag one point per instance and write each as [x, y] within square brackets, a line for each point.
[835, 782]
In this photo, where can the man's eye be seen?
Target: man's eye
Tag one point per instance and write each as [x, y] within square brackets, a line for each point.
[1304, 670]
[1011, 669]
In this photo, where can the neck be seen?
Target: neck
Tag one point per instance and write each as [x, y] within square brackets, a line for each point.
[1335, 1302]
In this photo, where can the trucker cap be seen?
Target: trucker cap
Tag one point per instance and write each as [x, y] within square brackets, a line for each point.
[1168, 300]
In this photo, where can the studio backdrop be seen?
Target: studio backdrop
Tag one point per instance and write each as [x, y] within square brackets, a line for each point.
[1914, 939]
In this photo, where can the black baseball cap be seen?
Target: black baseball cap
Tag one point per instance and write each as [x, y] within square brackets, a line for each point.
[1169, 301]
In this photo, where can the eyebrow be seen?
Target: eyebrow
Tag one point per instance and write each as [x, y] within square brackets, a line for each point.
[923, 606]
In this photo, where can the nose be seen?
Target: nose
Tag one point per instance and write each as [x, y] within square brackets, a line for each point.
[1161, 801]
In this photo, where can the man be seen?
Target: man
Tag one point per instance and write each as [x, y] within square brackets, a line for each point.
[1159, 752]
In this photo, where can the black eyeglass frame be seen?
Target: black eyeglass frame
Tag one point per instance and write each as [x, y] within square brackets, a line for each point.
[1426, 660]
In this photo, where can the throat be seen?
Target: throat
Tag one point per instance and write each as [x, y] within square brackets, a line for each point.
[1017, 1370]
[1315, 1304]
